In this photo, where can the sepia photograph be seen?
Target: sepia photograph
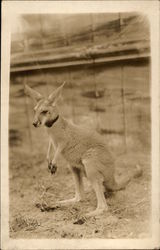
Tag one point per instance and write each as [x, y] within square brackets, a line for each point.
[79, 106]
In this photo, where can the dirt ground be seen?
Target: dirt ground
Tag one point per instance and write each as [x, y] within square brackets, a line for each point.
[34, 212]
[31, 186]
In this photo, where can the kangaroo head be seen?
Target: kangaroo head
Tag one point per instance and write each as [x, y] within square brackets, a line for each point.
[45, 111]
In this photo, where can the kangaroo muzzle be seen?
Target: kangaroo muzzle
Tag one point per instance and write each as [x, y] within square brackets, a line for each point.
[36, 124]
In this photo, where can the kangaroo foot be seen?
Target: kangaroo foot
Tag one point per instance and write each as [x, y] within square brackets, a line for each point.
[75, 199]
[96, 212]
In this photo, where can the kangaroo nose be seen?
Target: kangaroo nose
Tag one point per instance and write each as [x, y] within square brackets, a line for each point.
[35, 124]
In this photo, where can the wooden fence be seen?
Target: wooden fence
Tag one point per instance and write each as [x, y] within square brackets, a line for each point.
[113, 98]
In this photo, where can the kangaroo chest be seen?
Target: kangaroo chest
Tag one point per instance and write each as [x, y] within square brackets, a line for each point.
[72, 142]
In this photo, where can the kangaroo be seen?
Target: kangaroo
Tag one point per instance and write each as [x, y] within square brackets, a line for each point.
[83, 149]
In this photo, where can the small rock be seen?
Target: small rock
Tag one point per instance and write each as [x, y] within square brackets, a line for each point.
[96, 231]
[79, 222]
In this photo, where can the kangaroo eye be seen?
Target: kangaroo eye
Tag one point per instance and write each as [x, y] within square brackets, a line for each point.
[44, 112]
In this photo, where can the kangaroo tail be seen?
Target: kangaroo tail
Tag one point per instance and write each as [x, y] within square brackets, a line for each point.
[113, 185]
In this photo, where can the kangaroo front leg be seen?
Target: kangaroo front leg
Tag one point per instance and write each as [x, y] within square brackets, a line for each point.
[79, 192]
[48, 152]
[51, 167]
[53, 164]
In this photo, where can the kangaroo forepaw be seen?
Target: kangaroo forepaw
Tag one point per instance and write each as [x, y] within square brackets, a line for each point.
[52, 167]
[49, 165]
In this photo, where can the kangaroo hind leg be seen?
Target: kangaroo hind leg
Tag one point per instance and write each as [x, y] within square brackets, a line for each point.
[79, 192]
[96, 179]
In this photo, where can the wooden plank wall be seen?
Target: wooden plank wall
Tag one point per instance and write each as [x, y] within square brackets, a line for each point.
[119, 111]
[115, 99]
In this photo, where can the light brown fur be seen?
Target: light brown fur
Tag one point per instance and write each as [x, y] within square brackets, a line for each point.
[83, 149]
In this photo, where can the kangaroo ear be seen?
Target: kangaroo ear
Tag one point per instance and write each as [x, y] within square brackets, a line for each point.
[36, 96]
[55, 95]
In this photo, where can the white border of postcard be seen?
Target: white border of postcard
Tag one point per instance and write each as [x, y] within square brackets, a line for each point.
[10, 9]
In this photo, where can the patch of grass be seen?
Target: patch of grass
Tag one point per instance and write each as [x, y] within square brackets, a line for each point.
[44, 207]
[23, 223]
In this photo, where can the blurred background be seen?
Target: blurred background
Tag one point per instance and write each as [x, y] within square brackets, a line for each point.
[105, 61]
